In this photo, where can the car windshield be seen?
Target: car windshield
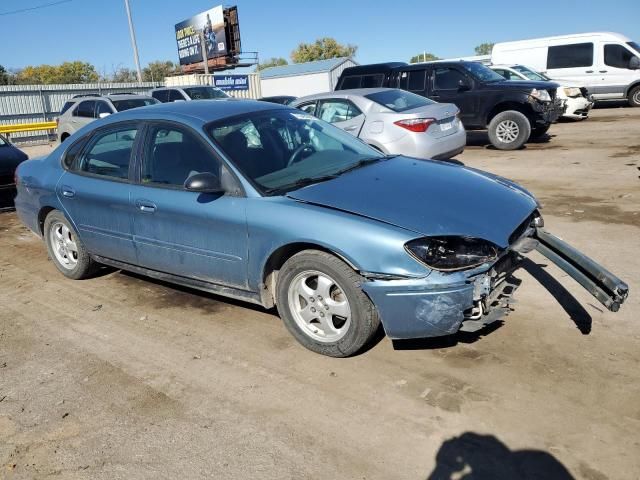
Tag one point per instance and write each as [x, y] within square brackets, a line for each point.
[482, 72]
[282, 150]
[204, 93]
[129, 103]
[635, 46]
[530, 74]
[399, 100]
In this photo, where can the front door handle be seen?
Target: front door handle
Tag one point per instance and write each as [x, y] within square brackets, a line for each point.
[68, 191]
[146, 206]
[351, 128]
[603, 71]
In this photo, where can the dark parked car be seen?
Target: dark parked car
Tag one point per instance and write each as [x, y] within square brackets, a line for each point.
[512, 112]
[271, 205]
[10, 158]
[281, 99]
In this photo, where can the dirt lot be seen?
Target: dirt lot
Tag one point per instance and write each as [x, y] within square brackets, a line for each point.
[123, 377]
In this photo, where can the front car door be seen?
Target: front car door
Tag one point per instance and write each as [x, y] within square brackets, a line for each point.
[94, 190]
[341, 113]
[615, 72]
[185, 233]
[446, 88]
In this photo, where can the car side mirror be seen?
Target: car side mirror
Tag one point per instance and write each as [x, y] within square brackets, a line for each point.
[634, 63]
[464, 85]
[103, 114]
[205, 182]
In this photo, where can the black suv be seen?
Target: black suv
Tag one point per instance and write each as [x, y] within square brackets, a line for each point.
[511, 111]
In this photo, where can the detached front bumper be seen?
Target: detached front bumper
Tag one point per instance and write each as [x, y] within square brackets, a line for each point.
[578, 107]
[444, 303]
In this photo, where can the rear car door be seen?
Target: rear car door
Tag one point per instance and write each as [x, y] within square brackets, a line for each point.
[82, 115]
[575, 63]
[176, 231]
[94, 190]
[445, 88]
[341, 113]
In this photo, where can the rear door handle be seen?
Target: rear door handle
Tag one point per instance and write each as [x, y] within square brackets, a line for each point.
[351, 129]
[146, 206]
[68, 191]
[588, 71]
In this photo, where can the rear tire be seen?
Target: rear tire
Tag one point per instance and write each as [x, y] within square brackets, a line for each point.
[537, 132]
[634, 96]
[66, 250]
[322, 305]
[509, 130]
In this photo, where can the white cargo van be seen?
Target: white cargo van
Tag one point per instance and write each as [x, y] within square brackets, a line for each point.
[608, 64]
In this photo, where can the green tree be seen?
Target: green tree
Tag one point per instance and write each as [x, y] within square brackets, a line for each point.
[5, 77]
[272, 62]
[484, 49]
[156, 71]
[123, 74]
[67, 72]
[423, 57]
[321, 49]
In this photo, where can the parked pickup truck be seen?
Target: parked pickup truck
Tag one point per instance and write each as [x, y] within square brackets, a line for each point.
[511, 112]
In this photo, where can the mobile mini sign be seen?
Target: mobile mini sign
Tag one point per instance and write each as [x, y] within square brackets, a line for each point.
[231, 82]
[211, 24]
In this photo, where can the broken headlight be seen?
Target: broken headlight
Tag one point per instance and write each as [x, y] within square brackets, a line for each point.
[541, 95]
[451, 253]
[572, 92]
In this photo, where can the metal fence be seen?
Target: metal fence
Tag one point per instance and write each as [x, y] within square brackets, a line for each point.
[42, 103]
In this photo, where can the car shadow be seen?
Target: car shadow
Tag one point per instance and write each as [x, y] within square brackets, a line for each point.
[567, 301]
[480, 138]
[448, 341]
[472, 456]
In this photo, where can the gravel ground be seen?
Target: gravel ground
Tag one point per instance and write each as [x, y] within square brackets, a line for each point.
[122, 377]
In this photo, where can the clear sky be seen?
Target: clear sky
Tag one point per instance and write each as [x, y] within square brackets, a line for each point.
[96, 30]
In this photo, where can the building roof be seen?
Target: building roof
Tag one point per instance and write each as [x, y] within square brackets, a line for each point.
[319, 66]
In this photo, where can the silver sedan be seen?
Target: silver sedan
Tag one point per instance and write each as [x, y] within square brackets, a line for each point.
[393, 121]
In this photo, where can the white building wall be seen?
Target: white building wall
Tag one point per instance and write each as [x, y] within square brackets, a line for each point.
[297, 85]
[202, 79]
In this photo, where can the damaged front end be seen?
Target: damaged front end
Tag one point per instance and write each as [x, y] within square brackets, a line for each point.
[449, 301]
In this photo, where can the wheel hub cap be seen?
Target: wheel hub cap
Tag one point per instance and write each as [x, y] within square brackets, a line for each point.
[507, 131]
[63, 245]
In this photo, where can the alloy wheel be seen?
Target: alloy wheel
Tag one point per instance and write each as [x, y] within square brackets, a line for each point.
[63, 245]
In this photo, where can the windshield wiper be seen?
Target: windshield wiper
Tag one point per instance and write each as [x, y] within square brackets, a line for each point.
[363, 162]
[301, 182]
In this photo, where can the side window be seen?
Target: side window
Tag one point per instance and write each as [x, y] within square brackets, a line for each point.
[161, 95]
[416, 82]
[506, 74]
[372, 81]
[334, 111]
[309, 108]
[72, 155]
[617, 56]
[102, 107]
[85, 109]
[352, 81]
[172, 155]
[66, 107]
[109, 153]
[445, 78]
[570, 56]
[175, 95]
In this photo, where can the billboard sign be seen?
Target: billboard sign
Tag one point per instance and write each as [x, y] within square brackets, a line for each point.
[211, 23]
[231, 82]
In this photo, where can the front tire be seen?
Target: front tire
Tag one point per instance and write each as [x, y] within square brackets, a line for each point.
[66, 250]
[509, 130]
[322, 305]
[634, 96]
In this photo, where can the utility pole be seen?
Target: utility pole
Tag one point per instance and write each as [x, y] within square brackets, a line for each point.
[133, 41]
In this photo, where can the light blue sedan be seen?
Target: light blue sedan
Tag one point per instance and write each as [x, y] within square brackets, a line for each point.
[270, 205]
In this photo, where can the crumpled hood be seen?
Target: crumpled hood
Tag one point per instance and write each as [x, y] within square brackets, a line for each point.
[427, 197]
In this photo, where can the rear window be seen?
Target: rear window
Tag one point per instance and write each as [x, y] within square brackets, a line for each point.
[205, 93]
[122, 105]
[399, 100]
[570, 56]
[66, 107]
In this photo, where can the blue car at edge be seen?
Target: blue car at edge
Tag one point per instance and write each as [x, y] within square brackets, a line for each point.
[270, 205]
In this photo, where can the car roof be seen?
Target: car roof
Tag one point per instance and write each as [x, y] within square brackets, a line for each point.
[203, 111]
[124, 96]
[357, 92]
